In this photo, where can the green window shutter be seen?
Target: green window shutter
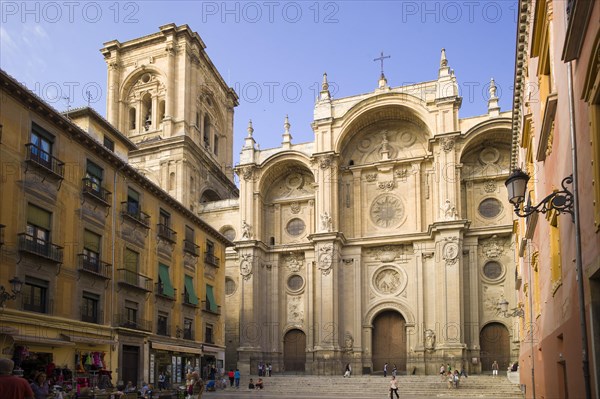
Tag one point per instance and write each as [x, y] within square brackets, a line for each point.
[132, 194]
[189, 287]
[131, 260]
[38, 217]
[210, 297]
[91, 241]
[163, 274]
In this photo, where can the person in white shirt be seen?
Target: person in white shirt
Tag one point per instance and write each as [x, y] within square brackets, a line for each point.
[394, 388]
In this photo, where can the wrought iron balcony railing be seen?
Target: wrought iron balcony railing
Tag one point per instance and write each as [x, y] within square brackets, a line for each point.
[211, 259]
[133, 212]
[163, 329]
[188, 334]
[191, 248]
[134, 279]
[45, 160]
[41, 248]
[206, 308]
[96, 192]
[167, 233]
[121, 320]
[87, 263]
[91, 317]
[160, 291]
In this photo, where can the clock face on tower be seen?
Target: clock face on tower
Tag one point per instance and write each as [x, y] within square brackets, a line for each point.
[387, 211]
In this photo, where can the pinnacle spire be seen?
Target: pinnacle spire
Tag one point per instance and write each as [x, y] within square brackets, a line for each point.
[443, 59]
[493, 106]
[287, 137]
[250, 128]
[324, 94]
[249, 140]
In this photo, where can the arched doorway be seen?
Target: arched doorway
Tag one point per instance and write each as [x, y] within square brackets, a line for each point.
[495, 345]
[294, 350]
[389, 341]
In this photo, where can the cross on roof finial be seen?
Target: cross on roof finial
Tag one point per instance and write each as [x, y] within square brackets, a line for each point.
[381, 58]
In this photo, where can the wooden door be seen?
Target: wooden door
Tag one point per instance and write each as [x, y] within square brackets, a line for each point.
[389, 342]
[495, 345]
[130, 366]
[294, 350]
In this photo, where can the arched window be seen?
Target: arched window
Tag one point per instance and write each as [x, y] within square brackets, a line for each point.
[172, 181]
[147, 111]
[207, 129]
[132, 118]
[161, 110]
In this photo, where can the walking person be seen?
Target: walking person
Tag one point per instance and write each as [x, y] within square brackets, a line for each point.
[161, 381]
[236, 376]
[394, 371]
[231, 378]
[443, 371]
[385, 370]
[11, 386]
[495, 369]
[348, 370]
[394, 388]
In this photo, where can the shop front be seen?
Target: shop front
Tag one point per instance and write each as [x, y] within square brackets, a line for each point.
[212, 362]
[174, 362]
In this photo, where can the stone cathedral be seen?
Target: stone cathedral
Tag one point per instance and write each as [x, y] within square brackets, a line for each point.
[387, 239]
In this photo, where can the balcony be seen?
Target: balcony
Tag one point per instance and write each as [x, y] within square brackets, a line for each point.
[163, 329]
[133, 279]
[95, 192]
[38, 247]
[132, 212]
[95, 266]
[191, 248]
[187, 300]
[166, 233]
[45, 162]
[211, 259]
[93, 318]
[2, 234]
[121, 320]
[159, 291]
[206, 308]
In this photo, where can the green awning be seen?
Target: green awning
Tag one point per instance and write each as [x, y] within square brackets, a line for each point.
[210, 297]
[38, 217]
[91, 241]
[165, 280]
[189, 288]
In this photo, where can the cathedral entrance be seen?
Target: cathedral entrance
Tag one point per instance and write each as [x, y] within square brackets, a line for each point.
[294, 351]
[389, 342]
[495, 345]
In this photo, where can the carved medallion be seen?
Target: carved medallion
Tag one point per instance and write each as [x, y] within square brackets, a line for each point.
[447, 144]
[295, 207]
[326, 259]
[387, 211]
[246, 266]
[492, 248]
[294, 262]
[450, 251]
[490, 186]
[387, 281]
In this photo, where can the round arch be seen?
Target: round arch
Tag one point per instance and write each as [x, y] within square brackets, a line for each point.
[383, 106]
[497, 129]
[209, 195]
[294, 350]
[133, 77]
[494, 344]
[400, 307]
[277, 165]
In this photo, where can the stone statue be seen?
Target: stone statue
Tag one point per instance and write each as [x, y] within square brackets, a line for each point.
[245, 230]
[429, 339]
[325, 222]
[348, 341]
[449, 211]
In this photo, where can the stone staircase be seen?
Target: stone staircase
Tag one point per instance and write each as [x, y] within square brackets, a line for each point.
[476, 386]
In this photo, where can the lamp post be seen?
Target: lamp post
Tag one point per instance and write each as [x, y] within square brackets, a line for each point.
[503, 309]
[16, 286]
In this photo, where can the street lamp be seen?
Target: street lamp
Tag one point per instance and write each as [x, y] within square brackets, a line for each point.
[561, 201]
[16, 290]
[503, 309]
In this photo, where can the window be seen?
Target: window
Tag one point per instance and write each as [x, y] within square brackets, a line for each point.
[189, 244]
[164, 218]
[131, 309]
[208, 334]
[108, 143]
[38, 229]
[187, 329]
[91, 251]
[93, 175]
[132, 118]
[490, 208]
[35, 295]
[206, 131]
[229, 233]
[229, 286]
[41, 150]
[164, 226]
[133, 202]
[295, 282]
[89, 307]
[216, 144]
[162, 324]
[164, 281]
[189, 293]
[295, 227]
[492, 270]
[131, 263]
[211, 303]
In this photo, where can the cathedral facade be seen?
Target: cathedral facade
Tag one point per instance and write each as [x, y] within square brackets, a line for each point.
[387, 239]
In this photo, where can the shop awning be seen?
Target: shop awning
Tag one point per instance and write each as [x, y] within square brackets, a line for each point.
[189, 287]
[31, 339]
[89, 340]
[176, 348]
[165, 280]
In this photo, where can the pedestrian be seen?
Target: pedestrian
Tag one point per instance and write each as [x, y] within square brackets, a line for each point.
[270, 369]
[385, 370]
[11, 386]
[40, 386]
[231, 378]
[495, 369]
[348, 370]
[197, 386]
[394, 388]
[161, 381]
[394, 371]
[236, 376]
[443, 371]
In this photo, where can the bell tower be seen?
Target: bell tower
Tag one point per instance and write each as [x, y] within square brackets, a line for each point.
[166, 95]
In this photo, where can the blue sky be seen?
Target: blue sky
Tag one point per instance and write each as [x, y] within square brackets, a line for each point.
[272, 53]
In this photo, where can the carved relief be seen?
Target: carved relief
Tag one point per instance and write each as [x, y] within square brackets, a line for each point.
[294, 262]
[293, 185]
[295, 206]
[450, 251]
[386, 185]
[387, 211]
[326, 259]
[371, 177]
[348, 342]
[447, 144]
[325, 222]
[401, 174]
[429, 340]
[448, 211]
[246, 234]
[490, 186]
[246, 266]
[295, 309]
[387, 281]
[492, 248]
[387, 253]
